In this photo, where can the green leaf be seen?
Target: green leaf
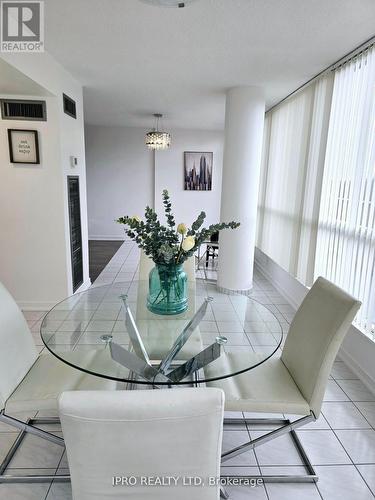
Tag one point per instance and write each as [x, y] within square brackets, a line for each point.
[162, 243]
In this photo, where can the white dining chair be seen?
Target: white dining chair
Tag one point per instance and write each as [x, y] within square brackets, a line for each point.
[146, 264]
[294, 383]
[118, 438]
[30, 382]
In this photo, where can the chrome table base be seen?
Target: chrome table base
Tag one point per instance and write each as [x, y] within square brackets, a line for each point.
[137, 360]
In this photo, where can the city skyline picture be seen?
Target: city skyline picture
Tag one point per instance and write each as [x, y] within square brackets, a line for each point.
[198, 171]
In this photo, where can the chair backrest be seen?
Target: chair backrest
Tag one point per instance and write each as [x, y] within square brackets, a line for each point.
[132, 435]
[146, 264]
[315, 336]
[17, 347]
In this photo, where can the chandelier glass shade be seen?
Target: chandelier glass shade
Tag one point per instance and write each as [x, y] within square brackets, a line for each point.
[157, 140]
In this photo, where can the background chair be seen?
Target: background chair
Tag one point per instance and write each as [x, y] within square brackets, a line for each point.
[176, 433]
[31, 382]
[212, 248]
[294, 383]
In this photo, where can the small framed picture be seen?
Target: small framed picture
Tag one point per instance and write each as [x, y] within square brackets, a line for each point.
[23, 146]
[198, 171]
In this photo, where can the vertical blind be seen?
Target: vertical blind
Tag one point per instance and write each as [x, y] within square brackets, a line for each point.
[316, 210]
[291, 173]
[345, 251]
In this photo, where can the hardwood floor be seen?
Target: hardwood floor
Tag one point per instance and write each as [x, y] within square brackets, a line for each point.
[100, 253]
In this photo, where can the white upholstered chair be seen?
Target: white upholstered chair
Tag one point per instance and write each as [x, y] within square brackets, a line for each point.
[146, 264]
[30, 381]
[147, 433]
[295, 382]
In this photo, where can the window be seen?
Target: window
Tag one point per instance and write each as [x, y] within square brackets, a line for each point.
[316, 213]
[291, 176]
[345, 251]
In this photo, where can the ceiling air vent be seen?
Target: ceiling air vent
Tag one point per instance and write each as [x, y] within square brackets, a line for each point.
[15, 109]
[69, 106]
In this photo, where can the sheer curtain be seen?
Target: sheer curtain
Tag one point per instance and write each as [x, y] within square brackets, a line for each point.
[345, 251]
[291, 177]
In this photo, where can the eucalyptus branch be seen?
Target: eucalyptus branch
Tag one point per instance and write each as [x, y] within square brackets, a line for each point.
[168, 209]
[162, 243]
[197, 224]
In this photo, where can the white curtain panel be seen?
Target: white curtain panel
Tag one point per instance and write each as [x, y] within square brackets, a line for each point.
[291, 178]
[345, 251]
[263, 180]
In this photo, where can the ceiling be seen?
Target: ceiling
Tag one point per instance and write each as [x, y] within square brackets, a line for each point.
[13, 82]
[135, 59]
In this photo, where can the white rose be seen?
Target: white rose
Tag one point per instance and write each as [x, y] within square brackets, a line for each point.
[188, 243]
[181, 228]
[136, 218]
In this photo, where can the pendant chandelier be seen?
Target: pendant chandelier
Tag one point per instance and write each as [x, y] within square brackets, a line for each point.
[156, 139]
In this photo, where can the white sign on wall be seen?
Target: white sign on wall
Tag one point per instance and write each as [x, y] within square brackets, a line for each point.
[23, 146]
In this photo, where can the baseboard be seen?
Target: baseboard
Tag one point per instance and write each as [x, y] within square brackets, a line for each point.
[288, 286]
[365, 377]
[108, 237]
[277, 285]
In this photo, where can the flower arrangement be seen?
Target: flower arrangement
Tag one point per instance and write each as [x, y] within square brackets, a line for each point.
[169, 244]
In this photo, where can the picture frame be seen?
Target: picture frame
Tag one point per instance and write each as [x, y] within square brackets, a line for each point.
[198, 167]
[23, 146]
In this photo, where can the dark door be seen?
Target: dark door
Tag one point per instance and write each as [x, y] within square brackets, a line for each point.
[75, 231]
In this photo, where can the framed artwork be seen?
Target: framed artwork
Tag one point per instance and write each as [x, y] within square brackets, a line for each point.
[198, 171]
[23, 146]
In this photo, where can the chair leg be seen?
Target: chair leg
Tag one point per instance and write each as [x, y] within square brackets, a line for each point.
[286, 427]
[223, 493]
[29, 428]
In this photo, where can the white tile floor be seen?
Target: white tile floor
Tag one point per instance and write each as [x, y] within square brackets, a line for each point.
[341, 444]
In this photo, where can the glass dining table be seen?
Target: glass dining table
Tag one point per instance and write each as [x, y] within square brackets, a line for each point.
[108, 331]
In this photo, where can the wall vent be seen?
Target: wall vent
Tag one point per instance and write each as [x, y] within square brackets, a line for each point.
[69, 106]
[16, 109]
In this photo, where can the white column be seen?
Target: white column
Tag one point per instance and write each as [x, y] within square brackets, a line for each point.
[244, 122]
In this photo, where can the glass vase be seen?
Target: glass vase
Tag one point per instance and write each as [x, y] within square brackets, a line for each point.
[167, 289]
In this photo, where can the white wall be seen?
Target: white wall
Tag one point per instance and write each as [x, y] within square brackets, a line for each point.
[121, 179]
[169, 174]
[35, 261]
[32, 250]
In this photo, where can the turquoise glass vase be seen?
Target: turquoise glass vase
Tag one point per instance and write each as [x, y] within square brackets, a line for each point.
[167, 289]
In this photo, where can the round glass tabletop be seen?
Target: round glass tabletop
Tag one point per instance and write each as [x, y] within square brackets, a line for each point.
[107, 331]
